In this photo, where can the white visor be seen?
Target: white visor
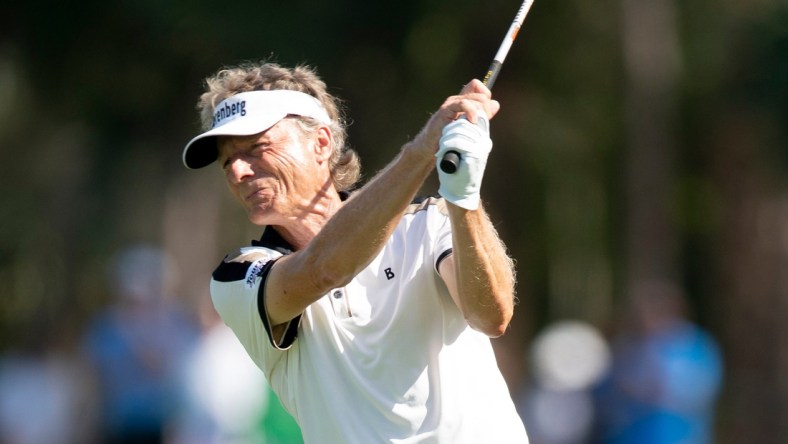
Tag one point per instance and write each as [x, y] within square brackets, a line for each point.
[250, 113]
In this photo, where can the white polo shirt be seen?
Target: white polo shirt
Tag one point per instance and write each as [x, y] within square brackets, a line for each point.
[387, 359]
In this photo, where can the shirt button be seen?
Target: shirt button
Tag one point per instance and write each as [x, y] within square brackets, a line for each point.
[337, 294]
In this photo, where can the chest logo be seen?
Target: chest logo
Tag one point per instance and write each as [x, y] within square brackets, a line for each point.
[389, 273]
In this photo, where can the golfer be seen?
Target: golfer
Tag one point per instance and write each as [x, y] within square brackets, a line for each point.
[369, 311]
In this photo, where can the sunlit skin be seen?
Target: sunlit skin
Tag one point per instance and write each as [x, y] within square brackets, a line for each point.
[280, 178]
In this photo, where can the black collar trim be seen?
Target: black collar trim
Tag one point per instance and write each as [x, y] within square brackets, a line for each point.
[271, 239]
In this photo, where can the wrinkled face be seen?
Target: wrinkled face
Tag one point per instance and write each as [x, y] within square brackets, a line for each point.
[275, 174]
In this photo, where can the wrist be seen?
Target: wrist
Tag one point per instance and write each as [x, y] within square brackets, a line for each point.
[461, 202]
[413, 153]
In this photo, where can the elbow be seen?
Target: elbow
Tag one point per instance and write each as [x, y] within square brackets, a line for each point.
[495, 329]
[491, 329]
[494, 324]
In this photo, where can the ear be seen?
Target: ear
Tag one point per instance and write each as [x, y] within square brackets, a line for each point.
[323, 144]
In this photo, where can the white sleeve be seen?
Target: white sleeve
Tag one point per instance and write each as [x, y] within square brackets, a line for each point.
[237, 292]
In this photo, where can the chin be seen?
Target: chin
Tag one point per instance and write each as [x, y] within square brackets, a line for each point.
[257, 219]
[259, 216]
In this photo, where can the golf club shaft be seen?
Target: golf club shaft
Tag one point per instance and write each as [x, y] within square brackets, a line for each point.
[451, 159]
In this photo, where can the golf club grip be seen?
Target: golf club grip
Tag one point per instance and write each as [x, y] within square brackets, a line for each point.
[450, 162]
[451, 159]
[492, 74]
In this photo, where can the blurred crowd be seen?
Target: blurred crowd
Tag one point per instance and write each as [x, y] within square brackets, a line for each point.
[149, 370]
[656, 381]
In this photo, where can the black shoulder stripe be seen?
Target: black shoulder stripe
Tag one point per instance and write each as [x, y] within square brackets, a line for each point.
[230, 271]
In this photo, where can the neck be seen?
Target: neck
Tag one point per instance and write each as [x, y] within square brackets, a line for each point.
[299, 229]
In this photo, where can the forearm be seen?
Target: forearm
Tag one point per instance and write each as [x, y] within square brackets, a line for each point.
[367, 219]
[483, 271]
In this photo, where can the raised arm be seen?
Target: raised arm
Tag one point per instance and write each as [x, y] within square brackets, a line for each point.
[358, 230]
[479, 273]
[348, 242]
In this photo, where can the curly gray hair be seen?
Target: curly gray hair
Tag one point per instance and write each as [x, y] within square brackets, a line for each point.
[345, 165]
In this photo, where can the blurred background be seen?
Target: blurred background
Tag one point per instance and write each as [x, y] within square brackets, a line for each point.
[637, 178]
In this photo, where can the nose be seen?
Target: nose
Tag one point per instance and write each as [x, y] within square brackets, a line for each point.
[238, 170]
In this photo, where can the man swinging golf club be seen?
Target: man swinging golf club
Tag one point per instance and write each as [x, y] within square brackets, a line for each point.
[370, 315]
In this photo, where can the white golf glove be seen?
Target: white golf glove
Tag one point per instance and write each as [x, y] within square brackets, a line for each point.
[473, 143]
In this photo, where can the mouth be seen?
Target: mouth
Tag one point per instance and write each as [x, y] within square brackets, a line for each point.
[258, 193]
[251, 194]
[254, 193]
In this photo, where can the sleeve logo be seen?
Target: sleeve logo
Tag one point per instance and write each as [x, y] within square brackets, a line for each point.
[253, 273]
[257, 257]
